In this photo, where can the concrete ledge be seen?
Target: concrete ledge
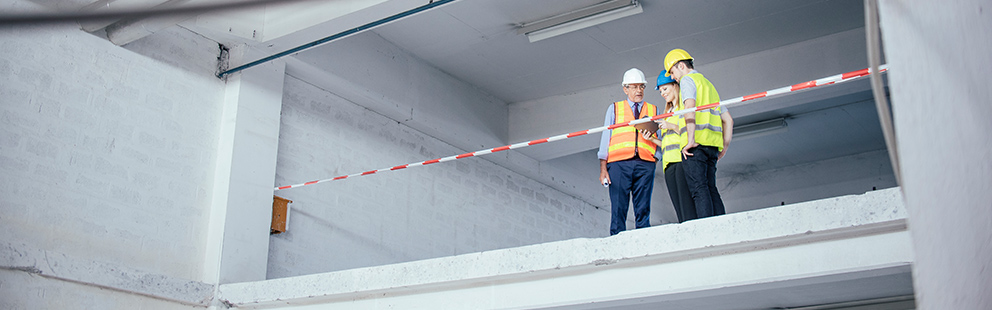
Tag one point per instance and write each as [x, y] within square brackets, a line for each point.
[22, 257]
[858, 233]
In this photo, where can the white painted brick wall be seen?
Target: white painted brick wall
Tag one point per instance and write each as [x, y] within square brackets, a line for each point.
[371, 63]
[106, 152]
[443, 209]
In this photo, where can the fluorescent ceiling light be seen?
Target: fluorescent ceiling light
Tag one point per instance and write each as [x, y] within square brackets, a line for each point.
[579, 19]
[760, 128]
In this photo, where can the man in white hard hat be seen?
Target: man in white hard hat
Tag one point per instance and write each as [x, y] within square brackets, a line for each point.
[627, 160]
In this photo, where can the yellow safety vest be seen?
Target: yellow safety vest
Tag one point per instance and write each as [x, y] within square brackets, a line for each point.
[623, 140]
[709, 125]
[672, 141]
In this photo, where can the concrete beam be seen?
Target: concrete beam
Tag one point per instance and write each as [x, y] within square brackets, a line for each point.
[300, 23]
[277, 28]
[847, 237]
[130, 30]
[107, 5]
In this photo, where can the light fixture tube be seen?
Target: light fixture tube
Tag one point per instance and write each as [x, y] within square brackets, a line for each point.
[761, 128]
[579, 19]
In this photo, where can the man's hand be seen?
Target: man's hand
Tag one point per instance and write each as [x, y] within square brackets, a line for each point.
[728, 131]
[686, 150]
[690, 130]
[604, 176]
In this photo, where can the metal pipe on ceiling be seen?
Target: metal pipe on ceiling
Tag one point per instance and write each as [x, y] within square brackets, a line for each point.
[432, 4]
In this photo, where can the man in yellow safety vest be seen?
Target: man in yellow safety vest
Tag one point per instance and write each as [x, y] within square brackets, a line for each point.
[708, 132]
[627, 160]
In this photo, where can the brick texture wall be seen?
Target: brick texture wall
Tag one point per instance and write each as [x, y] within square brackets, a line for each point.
[444, 209]
[106, 152]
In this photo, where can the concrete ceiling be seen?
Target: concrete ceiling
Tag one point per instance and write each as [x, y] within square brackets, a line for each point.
[476, 41]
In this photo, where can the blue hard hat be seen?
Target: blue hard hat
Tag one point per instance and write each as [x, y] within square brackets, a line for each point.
[662, 80]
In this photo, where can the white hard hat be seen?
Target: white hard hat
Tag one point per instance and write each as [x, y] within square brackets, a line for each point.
[633, 76]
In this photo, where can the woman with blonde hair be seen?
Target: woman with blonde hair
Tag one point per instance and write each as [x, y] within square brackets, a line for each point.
[672, 132]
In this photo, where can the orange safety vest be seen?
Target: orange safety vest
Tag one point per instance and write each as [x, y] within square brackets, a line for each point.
[624, 140]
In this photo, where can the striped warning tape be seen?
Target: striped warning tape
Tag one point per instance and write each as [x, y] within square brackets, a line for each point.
[774, 92]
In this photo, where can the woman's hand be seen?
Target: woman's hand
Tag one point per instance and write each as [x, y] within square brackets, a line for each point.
[664, 126]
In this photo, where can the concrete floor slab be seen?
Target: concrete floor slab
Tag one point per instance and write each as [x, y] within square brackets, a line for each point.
[813, 243]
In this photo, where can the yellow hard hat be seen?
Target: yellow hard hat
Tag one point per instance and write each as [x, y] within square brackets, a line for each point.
[674, 56]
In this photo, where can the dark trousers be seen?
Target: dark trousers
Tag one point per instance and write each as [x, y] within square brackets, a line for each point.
[632, 178]
[700, 175]
[678, 190]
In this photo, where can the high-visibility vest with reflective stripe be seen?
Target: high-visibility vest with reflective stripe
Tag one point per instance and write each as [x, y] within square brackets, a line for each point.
[672, 141]
[709, 126]
[623, 140]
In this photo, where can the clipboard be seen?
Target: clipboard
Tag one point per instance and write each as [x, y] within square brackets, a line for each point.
[649, 126]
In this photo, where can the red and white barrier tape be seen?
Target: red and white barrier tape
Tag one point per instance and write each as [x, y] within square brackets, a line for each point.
[774, 92]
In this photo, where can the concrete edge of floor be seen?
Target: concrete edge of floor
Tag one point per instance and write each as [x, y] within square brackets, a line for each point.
[878, 214]
[113, 276]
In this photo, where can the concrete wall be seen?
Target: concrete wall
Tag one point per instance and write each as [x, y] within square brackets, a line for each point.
[852, 174]
[945, 167]
[444, 209]
[106, 157]
[408, 90]
[751, 190]
[376, 74]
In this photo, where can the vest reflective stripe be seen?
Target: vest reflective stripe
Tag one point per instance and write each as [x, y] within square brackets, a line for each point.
[672, 140]
[709, 126]
[672, 147]
[710, 111]
[623, 140]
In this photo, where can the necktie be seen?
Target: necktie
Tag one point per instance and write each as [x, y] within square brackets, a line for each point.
[637, 110]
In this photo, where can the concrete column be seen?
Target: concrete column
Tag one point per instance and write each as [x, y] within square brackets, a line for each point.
[238, 240]
[938, 55]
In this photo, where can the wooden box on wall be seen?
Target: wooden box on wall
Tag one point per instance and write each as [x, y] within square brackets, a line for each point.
[280, 214]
